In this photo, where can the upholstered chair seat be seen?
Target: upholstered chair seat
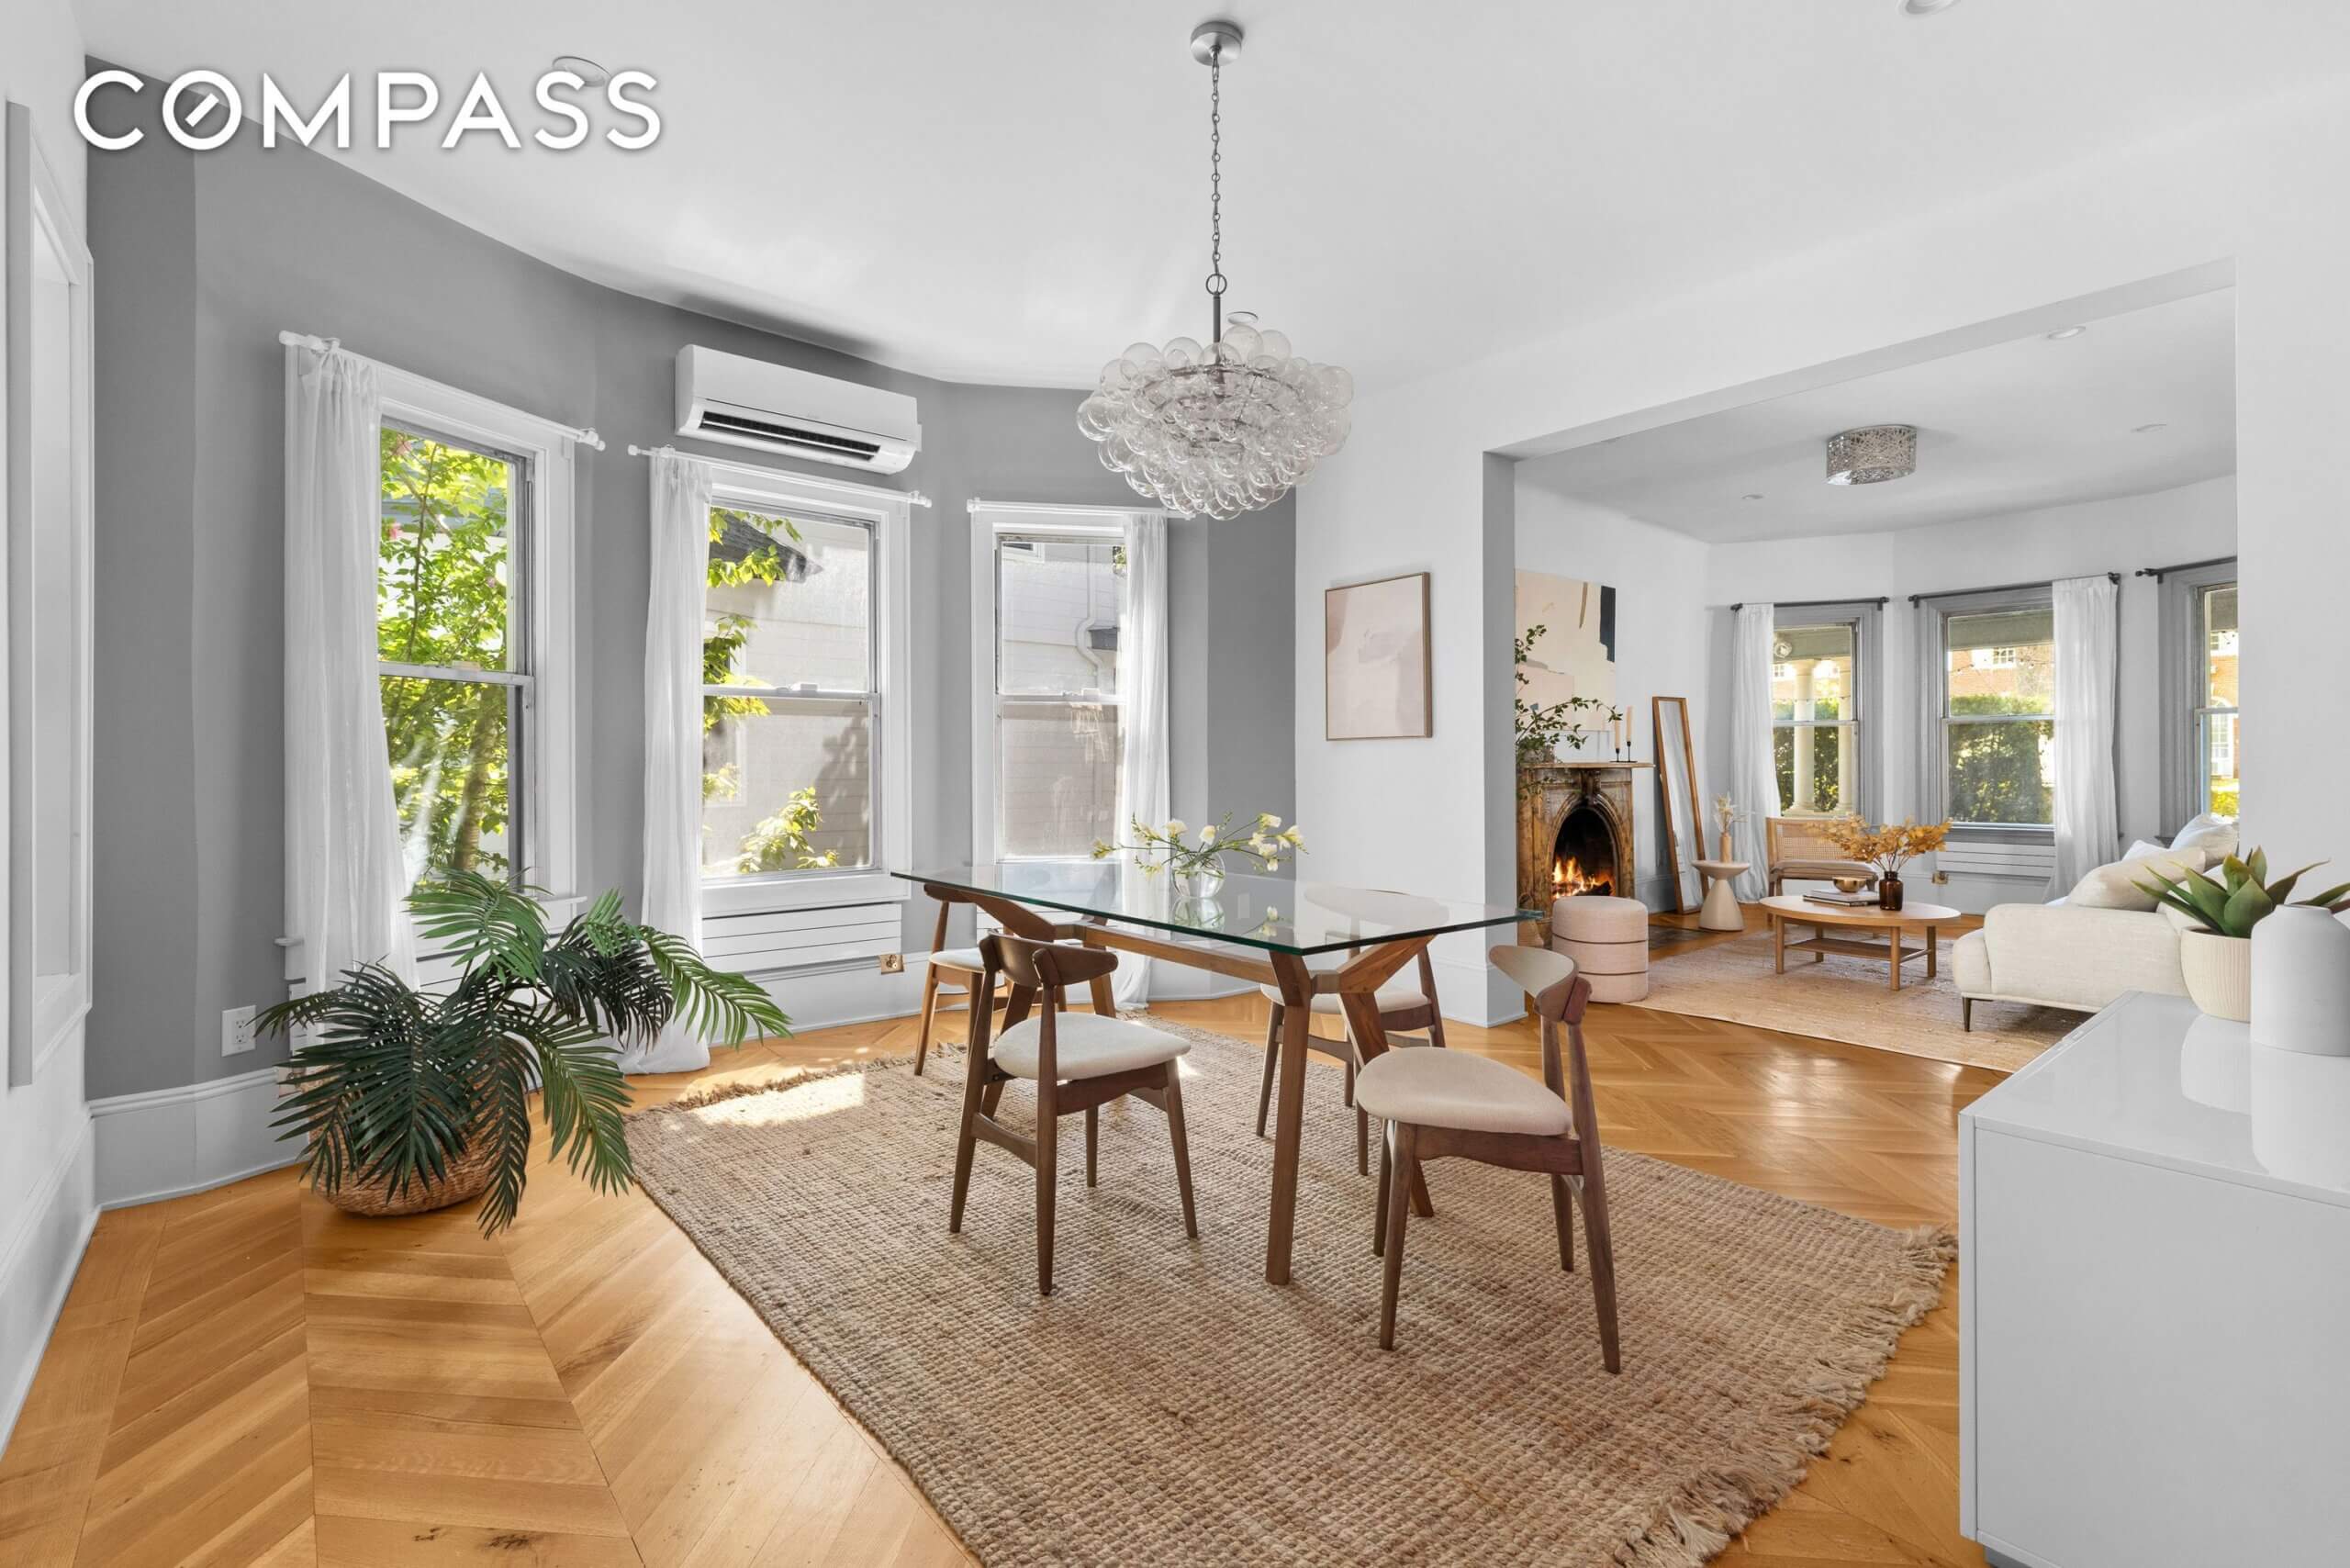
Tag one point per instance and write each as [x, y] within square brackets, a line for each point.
[1088, 1046]
[1455, 1089]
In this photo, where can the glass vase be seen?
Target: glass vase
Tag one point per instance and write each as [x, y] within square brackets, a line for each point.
[1888, 891]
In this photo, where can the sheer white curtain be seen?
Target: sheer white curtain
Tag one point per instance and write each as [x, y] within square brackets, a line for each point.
[672, 612]
[1930, 689]
[2087, 659]
[1753, 775]
[345, 885]
[1143, 784]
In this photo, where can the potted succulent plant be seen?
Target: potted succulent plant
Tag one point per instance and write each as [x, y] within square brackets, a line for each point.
[2216, 955]
[412, 1101]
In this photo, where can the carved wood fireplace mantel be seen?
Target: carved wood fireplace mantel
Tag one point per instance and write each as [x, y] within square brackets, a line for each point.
[1574, 832]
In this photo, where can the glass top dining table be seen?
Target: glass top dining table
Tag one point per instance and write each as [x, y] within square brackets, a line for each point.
[1283, 924]
[1273, 914]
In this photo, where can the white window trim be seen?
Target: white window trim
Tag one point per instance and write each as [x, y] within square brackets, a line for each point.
[1865, 617]
[2182, 683]
[551, 698]
[1959, 606]
[887, 512]
[989, 521]
[42, 1011]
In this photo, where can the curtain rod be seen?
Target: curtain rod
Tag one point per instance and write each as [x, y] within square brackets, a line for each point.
[877, 492]
[1996, 587]
[1058, 508]
[1815, 603]
[585, 437]
[2159, 573]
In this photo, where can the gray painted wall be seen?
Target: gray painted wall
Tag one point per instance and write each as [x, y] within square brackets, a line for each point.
[202, 260]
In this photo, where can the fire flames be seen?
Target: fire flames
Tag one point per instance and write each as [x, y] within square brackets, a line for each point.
[1568, 878]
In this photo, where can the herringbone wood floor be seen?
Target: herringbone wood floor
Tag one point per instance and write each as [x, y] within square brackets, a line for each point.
[249, 1376]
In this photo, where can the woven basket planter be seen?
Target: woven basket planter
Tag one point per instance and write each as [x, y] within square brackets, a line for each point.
[467, 1179]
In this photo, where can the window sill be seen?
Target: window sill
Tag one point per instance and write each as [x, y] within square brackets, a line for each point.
[2003, 832]
[737, 895]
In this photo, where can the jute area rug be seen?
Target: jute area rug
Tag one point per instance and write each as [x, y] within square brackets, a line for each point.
[1166, 1405]
[1848, 999]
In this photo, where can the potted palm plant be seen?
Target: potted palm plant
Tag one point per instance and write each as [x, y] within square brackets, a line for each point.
[411, 1101]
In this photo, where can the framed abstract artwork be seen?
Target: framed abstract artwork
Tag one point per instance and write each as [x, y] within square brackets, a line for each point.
[1375, 669]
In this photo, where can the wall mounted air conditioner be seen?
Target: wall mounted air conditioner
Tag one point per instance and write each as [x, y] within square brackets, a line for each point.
[748, 402]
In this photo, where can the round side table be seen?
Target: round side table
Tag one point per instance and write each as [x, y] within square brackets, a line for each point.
[1720, 912]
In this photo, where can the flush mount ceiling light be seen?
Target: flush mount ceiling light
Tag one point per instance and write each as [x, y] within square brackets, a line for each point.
[1230, 427]
[1925, 7]
[587, 70]
[1873, 455]
[2060, 333]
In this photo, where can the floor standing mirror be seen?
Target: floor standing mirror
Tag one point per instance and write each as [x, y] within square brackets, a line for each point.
[1676, 776]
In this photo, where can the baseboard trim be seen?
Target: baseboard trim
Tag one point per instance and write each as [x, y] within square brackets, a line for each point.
[168, 1143]
[69, 1174]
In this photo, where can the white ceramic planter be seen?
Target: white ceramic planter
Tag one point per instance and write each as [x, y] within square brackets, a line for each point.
[2301, 995]
[2218, 973]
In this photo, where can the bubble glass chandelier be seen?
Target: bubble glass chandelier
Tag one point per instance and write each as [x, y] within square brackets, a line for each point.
[1230, 427]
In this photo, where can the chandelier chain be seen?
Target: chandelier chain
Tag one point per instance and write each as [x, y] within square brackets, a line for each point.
[1215, 171]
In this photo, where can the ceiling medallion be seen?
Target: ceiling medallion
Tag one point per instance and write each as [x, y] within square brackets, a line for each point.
[1873, 455]
[1227, 427]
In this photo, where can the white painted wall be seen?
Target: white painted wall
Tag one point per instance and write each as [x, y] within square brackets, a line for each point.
[1658, 575]
[2192, 522]
[46, 1201]
[1409, 491]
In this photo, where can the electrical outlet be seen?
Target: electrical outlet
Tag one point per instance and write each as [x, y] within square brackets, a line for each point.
[237, 1031]
[894, 963]
[1941, 878]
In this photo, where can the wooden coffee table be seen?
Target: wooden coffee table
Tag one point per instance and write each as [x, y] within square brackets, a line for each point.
[1828, 920]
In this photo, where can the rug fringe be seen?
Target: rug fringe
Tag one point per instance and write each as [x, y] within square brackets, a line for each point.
[1710, 1511]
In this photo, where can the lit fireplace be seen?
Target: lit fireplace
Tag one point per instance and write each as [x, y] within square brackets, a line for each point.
[1583, 860]
[1574, 833]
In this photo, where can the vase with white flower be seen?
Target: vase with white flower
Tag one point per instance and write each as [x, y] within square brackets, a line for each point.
[1195, 864]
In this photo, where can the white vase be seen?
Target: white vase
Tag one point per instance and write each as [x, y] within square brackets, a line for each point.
[2301, 986]
[2218, 973]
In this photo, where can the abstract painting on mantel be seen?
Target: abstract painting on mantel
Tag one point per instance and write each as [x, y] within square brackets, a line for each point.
[1575, 655]
[1375, 675]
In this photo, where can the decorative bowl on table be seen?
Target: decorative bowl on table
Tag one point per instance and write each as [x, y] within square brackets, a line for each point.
[1850, 884]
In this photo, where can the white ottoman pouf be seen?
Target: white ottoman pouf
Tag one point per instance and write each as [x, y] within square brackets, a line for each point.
[1608, 940]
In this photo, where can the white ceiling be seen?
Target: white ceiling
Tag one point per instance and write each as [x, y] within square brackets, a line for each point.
[2036, 422]
[1016, 190]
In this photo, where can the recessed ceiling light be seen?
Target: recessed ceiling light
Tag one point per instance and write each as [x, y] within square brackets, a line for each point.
[587, 70]
[2060, 333]
[1925, 7]
[1751, 496]
[2147, 429]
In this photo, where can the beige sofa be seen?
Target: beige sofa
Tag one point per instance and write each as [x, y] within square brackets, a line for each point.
[2104, 937]
[2055, 955]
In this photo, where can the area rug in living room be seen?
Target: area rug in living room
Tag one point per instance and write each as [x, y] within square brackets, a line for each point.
[1844, 999]
[1167, 1405]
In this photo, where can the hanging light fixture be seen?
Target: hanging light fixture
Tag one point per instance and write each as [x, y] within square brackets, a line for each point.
[1230, 427]
[1873, 455]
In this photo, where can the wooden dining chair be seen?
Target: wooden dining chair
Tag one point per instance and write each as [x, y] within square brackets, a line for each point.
[1402, 1007]
[1079, 1061]
[1440, 1103]
[954, 970]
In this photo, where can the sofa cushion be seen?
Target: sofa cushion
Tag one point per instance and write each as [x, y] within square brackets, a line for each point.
[2117, 886]
[2214, 835]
